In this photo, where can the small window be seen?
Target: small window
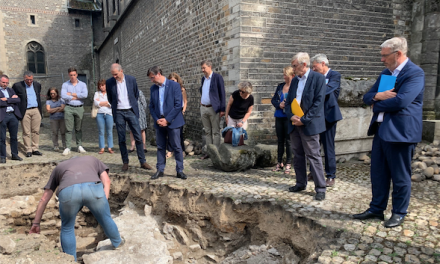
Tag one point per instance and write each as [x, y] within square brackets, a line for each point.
[77, 23]
[32, 19]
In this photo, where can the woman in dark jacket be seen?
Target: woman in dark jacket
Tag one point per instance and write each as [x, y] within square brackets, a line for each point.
[282, 121]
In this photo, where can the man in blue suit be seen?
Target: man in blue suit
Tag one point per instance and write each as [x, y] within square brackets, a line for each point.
[332, 114]
[309, 90]
[397, 128]
[122, 94]
[212, 103]
[9, 116]
[166, 110]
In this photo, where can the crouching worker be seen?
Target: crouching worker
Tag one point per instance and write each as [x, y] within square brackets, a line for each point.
[81, 181]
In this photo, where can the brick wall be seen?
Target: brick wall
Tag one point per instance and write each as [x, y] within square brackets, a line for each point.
[249, 40]
[177, 35]
[54, 29]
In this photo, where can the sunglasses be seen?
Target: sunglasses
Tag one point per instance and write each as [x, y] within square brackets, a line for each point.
[242, 92]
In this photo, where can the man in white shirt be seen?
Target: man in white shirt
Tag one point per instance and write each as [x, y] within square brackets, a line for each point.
[123, 94]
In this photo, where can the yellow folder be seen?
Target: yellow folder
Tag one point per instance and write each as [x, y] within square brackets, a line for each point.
[296, 109]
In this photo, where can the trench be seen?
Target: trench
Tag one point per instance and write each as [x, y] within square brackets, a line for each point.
[226, 232]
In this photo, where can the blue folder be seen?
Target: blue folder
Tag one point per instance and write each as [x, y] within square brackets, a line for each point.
[387, 82]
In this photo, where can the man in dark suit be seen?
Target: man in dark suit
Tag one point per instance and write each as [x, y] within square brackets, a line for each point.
[397, 128]
[9, 116]
[332, 114]
[30, 107]
[166, 110]
[123, 93]
[212, 103]
[309, 90]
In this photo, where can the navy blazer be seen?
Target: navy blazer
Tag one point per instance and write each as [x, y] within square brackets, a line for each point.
[402, 121]
[331, 107]
[20, 90]
[172, 105]
[132, 90]
[312, 103]
[216, 92]
[14, 102]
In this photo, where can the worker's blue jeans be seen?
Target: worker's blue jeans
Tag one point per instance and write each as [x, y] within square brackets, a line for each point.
[72, 199]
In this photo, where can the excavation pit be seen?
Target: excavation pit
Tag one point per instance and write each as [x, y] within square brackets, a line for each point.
[196, 227]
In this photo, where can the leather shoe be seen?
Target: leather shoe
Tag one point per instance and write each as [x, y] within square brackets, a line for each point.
[368, 215]
[330, 182]
[36, 152]
[394, 221]
[181, 175]
[125, 167]
[28, 154]
[296, 188]
[157, 175]
[16, 157]
[145, 166]
[320, 196]
[2, 160]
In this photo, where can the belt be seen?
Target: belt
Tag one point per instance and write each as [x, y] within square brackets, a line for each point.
[124, 110]
[31, 108]
[74, 105]
[205, 105]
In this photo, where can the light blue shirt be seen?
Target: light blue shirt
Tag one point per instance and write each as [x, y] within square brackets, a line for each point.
[301, 85]
[31, 96]
[80, 89]
[9, 108]
[162, 96]
[205, 90]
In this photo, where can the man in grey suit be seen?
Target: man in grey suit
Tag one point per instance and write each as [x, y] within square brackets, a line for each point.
[309, 90]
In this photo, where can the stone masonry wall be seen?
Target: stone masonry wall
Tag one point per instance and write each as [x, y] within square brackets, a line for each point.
[177, 35]
[271, 32]
[250, 40]
[64, 45]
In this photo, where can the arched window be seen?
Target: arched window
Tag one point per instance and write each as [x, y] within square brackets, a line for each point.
[36, 62]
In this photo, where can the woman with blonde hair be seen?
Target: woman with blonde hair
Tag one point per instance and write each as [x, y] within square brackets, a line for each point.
[282, 121]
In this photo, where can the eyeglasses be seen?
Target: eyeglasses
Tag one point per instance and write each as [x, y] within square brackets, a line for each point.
[242, 92]
[386, 55]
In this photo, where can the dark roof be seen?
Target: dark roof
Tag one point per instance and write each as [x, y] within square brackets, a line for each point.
[85, 5]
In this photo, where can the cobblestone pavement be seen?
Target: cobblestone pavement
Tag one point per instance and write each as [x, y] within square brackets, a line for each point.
[416, 241]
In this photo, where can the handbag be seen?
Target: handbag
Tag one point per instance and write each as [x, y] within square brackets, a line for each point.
[94, 112]
[228, 138]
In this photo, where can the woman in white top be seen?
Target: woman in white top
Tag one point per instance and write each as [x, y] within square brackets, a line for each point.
[104, 118]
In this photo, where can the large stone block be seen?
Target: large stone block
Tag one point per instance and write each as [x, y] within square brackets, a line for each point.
[229, 158]
[352, 92]
[266, 155]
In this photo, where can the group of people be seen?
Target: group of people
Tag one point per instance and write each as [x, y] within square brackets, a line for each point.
[396, 126]
[396, 123]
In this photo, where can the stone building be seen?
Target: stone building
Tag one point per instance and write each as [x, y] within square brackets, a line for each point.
[47, 37]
